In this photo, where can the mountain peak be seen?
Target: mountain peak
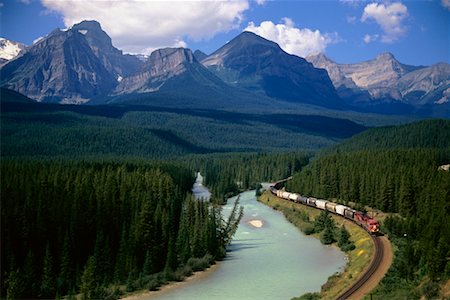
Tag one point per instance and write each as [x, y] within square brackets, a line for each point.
[10, 49]
[88, 24]
[247, 38]
[385, 56]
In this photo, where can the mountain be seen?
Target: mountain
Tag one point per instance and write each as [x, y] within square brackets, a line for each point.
[176, 75]
[9, 50]
[254, 63]
[69, 66]
[161, 66]
[199, 55]
[113, 59]
[429, 85]
[385, 79]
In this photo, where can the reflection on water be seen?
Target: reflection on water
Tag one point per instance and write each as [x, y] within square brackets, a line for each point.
[273, 261]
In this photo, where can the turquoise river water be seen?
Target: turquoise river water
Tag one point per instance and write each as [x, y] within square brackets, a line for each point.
[268, 259]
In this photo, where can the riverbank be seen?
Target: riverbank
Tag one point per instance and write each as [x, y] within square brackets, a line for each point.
[170, 286]
[358, 259]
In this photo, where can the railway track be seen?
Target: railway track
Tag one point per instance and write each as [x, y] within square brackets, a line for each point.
[373, 267]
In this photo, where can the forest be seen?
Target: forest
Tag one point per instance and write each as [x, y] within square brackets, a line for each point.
[96, 202]
[395, 170]
[228, 174]
[78, 227]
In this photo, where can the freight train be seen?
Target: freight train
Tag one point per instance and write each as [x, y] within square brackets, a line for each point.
[360, 218]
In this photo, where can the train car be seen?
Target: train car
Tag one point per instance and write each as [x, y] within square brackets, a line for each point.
[331, 207]
[311, 201]
[340, 209]
[293, 197]
[363, 220]
[285, 195]
[349, 213]
[320, 203]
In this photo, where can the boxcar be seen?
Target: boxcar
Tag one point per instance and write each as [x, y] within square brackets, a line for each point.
[312, 201]
[320, 203]
[331, 207]
[340, 209]
[349, 213]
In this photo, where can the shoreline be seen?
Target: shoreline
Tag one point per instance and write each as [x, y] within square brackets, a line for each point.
[195, 277]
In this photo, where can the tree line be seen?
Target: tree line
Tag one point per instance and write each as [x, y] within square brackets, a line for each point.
[395, 176]
[85, 227]
[227, 174]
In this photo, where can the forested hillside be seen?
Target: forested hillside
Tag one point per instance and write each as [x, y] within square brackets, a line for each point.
[226, 174]
[71, 228]
[385, 169]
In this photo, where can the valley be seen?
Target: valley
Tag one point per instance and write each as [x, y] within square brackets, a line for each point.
[108, 118]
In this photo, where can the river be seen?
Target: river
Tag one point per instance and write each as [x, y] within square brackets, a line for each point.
[268, 259]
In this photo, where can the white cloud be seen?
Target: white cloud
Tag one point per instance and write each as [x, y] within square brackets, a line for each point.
[293, 40]
[446, 4]
[370, 38]
[389, 17]
[260, 2]
[26, 2]
[138, 26]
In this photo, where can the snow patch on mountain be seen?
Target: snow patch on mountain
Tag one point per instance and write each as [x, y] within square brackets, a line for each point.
[10, 49]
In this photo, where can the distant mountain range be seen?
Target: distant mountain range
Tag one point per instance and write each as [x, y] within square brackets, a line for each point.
[384, 79]
[81, 65]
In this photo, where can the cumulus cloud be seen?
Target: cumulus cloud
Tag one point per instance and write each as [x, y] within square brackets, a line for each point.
[389, 17]
[137, 26]
[293, 40]
[446, 4]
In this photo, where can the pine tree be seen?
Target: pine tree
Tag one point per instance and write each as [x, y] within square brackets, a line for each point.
[48, 282]
[88, 284]
[327, 236]
[14, 285]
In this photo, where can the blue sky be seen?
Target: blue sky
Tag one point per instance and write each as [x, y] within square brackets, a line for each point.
[416, 32]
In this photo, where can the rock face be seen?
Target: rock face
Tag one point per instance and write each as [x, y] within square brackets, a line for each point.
[386, 79]
[160, 66]
[429, 85]
[199, 55]
[252, 62]
[70, 66]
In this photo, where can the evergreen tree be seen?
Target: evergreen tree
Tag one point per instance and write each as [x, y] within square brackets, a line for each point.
[88, 285]
[48, 285]
[327, 236]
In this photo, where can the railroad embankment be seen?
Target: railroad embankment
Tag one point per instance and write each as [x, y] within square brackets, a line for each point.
[359, 259]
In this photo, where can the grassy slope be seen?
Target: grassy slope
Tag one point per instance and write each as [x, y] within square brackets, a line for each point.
[358, 259]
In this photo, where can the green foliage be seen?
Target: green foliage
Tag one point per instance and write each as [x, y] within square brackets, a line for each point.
[69, 226]
[88, 285]
[227, 174]
[394, 169]
[344, 241]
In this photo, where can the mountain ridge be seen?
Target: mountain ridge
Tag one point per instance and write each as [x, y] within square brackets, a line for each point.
[80, 65]
[384, 78]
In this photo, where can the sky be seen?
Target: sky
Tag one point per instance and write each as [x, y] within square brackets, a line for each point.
[347, 31]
